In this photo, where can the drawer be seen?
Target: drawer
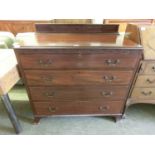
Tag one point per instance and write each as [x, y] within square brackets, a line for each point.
[148, 67]
[73, 61]
[75, 77]
[145, 81]
[77, 93]
[144, 93]
[76, 108]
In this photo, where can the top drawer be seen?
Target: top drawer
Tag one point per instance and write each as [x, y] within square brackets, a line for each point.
[148, 67]
[75, 60]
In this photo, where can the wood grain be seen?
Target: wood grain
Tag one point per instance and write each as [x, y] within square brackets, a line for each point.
[145, 81]
[81, 81]
[148, 68]
[77, 93]
[148, 41]
[106, 60]
[18, 26]
[76, 28]
[144, 93]
[79, 108]
[72, 21]
[9, 80]
[77, 77]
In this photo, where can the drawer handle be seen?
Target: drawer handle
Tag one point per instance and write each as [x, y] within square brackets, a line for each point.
[109, 78]
[52, 109]
[50, 94]
[103, 108]
[46, 78]
[150, 81]
[45, 62]
[106, 94]
[153, 68]
[112, 62]
[146, 93]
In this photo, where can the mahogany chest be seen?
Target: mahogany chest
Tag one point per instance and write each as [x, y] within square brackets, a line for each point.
[78, 69]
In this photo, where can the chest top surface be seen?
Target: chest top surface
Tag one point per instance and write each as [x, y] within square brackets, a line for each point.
[77, 36]
[147, 33]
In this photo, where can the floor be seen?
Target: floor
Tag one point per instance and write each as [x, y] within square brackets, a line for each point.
[140, 119]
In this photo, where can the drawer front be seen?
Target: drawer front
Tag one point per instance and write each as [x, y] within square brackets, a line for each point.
[77, 93]
[145, 81]
[148, 67]
[144, 93]
[51, 78]
[71, 61]
[76, 108]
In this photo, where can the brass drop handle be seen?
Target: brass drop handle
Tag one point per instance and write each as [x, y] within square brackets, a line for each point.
[106, 94]
[146, 93]
[112, 62]
[45, 62]
[103, 108]
[47, 78]
[50, 94]
[153, 68]
[52, 109]
[109, 78]
[150, 81]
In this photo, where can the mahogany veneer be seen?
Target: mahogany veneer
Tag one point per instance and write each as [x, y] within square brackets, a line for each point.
[78, 76]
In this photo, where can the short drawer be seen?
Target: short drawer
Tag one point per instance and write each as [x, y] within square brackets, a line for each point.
[73, 61]
[144, 93]
[77, 93]
[145, 81]
[148, 67]
[75, 77]
[77, 108]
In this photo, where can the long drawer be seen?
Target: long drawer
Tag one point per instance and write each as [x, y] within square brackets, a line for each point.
[145, 81]
[144, 93]
[77, 93]
[75, 108]
[79, 61]
[77, 77]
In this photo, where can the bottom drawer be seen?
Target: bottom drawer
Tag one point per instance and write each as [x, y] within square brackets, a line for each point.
[143, 93]
[79, 108]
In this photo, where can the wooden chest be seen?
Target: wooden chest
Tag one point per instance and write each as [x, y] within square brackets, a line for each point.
[75, 73]
[144, 87]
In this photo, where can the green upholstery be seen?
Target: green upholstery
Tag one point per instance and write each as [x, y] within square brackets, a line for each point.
[3, 45]
[6, 40]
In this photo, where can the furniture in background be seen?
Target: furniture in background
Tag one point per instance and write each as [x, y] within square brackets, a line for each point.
[18, 26]
[9, 76]
[133, 21]
[72, 21]
[78, 69]
[123, 22]
[144, 87]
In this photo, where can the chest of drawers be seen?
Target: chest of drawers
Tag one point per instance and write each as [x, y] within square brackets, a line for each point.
[77, 80]
[144, 87]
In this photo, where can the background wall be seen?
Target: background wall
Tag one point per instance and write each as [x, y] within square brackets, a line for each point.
[95, 9]
[46, 9]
